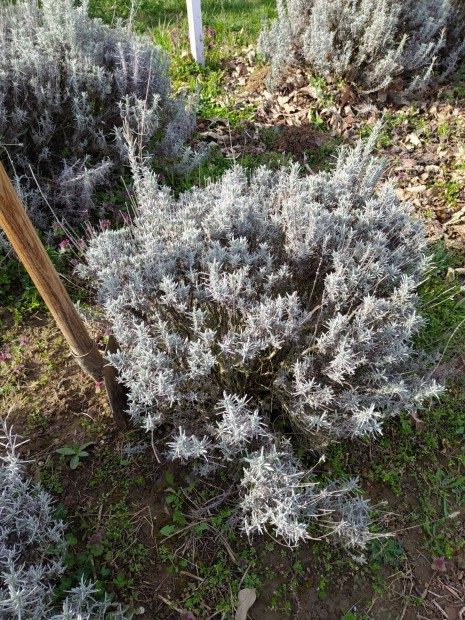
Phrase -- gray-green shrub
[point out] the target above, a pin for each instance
(282, 298)
(66, 81)
(368, 43)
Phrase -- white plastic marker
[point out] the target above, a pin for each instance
(194, 14)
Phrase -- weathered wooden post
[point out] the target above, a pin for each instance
(194, 14)
(32, 254)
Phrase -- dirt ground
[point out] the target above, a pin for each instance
(68, 407)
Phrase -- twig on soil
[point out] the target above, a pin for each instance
(151, 521)
(435, 594)
(188, 527)
(228, 549)
(441, 610)
(170, 604)
(233, 607)
(244, 574)
(155, 451)
(188, 574)
(453, 591)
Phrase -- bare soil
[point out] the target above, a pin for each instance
(71, 410)
(299, 140)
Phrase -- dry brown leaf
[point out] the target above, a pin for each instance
(414, 139)
(246, 598)
(309, 90)
(214, 136)
(347, 95)
(458, 231)
(409, 163)
(419, 423)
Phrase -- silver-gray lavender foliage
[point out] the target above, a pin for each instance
(32, 548)
(66, 81)
(283, 296)
(366, 42)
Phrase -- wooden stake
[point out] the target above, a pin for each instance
(31, 252)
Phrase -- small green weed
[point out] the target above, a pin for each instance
(51, 476)
(444, 131)
(76, 452)
(450, 189)
(323, 158)
(386, 551)
(36, 420)
(102, 546)
(17, 291)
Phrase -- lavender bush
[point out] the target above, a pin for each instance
(66, 83)
(276, 300)
(32, 548)
(369, 43)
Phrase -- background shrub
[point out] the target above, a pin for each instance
(369, 43)
(66, 81)
(249, 307)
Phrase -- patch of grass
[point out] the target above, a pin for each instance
(236, 22)
(19, 357)
(324, 157)
(442, 304)
(273, 161)
(450, 190)
(389, 124)
(457, 88)
(51, 476)
(413, 120)
(36, 421)
(269, 135)
(207, 84)
(228, 25)
(322, 91)
(211, 550)
(216, 165)
(18, 293)
(444, 131)
(386, 551)
(223, 562)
